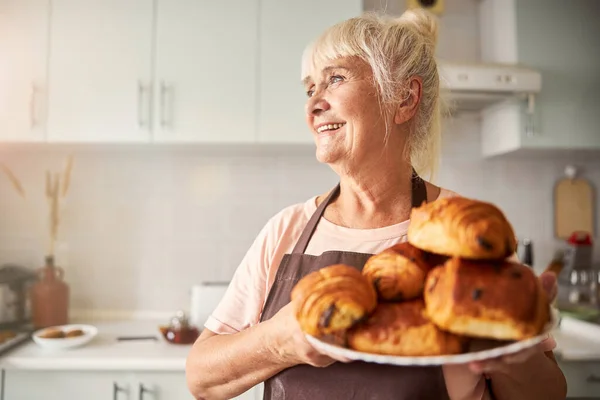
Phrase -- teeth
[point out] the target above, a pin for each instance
(329, 127)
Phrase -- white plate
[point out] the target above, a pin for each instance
(66, 343)
(436, 360)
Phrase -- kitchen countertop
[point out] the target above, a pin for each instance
(105, 352)
(575, 343)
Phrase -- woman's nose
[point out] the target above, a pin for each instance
(316, 105)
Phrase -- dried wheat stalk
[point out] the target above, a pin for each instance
(48, 184)
(67, 176)
(13, 179)
(52, 193)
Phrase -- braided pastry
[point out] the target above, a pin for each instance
(499, 300)
(332, 299)
(461, 227)
(398, 273)
(402, 329)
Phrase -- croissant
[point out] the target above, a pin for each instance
(461, 227)
(332, 299)
(402, 329)
(398, 273)
(499, 300)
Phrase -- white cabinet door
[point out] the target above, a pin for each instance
(583, 378)
(287, 27)
(23, 63)
(173, 386)
(100, 71)
(206, 69)
(61, 385)
(161, 386)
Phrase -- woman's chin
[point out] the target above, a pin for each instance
(326, 156)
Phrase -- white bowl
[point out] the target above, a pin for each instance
(89, 332)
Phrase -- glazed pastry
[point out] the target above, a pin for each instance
(461, 227)
(499, 300)
(398, 273)
(74, 333)
(402, 329)
(332, 299)
(52, 333)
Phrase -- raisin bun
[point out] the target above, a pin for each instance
(499, 300)
(402, 329)
(461, 227)
(332, 299)
(398, 273)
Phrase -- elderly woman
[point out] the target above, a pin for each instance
(373, 108)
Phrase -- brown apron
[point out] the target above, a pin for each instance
(343, 381)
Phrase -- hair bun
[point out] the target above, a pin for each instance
(424, 22)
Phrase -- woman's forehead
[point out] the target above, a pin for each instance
(316, 69)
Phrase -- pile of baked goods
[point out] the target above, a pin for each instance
(452, 281)
(58, 333)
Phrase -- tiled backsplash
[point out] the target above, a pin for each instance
(142, 224)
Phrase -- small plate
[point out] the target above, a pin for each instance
(463, 358)
(89, 332)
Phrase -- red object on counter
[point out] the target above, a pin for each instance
(580, 239)
(179, 331)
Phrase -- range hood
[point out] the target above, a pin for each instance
(474, 87)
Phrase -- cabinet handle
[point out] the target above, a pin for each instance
(117, 390)
(32, 104)
(141, 93)
(165, 108)
(593, 379)
(143, 391)
(163, 94)
(529, 122)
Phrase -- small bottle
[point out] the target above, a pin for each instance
(527, 257)
(50, 297)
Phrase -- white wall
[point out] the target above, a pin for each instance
(142, 224)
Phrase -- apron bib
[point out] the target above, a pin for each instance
(343, 381)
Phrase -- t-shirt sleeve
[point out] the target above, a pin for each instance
(242, 303)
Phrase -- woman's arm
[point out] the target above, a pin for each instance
(537, 378)
(224, 366)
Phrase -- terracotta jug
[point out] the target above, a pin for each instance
(49, 297)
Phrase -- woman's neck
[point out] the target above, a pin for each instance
(373, 197)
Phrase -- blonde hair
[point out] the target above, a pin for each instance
(396, 49)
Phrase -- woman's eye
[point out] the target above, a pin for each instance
(336, 79)
(310, 92)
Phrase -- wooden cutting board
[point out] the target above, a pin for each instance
(573, 207)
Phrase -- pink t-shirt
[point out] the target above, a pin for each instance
(242, 305)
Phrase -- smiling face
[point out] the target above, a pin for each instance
(343, 112)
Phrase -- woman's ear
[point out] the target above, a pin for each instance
(411, 97)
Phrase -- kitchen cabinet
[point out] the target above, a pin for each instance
(281, 114)
(23, 64)
(100, 71)
(560, 39)
(60, 385)
(167, 71)
(583, 378)
(102, 385)
(206, 68)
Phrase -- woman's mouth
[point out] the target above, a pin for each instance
(330, 128)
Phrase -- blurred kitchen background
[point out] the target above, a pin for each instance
(150, 211)
(185, 121)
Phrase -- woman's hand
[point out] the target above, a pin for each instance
(291, 344)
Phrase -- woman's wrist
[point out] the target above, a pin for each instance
(278, 344)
